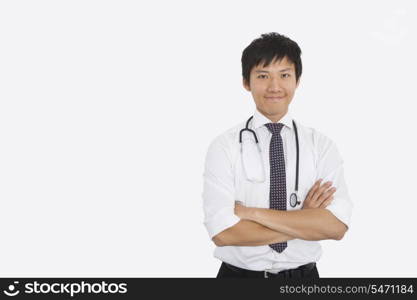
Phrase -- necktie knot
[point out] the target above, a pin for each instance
(274, 128)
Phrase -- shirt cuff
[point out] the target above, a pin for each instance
(343, 213)
(222, 220)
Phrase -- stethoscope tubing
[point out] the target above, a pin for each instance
(294, 195)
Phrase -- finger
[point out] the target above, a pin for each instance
(326, 194)
(326, 199)
(313, 192)
(327, 202)
(320, 190)
(314, 188)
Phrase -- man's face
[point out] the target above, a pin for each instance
(273, 88)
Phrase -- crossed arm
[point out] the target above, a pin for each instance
(261, 226)
(249, 233)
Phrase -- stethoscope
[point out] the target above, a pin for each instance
(294, 196)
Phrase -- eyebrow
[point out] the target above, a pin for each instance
(283, 70)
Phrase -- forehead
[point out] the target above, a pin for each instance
(275, 66)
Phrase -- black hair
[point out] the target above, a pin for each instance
(268, 47)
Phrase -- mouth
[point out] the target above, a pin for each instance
(274, 99)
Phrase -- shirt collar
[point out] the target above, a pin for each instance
(260, 120)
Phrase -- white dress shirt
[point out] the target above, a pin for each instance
(225, 182)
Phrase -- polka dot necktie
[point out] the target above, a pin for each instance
(278, 187)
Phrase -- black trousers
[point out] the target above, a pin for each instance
(308, 271)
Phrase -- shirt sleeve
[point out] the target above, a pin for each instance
(218, 190)
(330, 168)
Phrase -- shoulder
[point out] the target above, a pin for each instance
(322, 144)
(315, 136)
(225, 146)
(229, 138)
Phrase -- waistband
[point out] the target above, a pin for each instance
(297, 272)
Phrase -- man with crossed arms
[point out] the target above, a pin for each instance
(254, 236)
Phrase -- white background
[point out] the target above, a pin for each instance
(107, 109)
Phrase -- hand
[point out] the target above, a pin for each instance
(319, 196)
(241, 211)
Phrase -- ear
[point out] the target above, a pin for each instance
(246, 85)
(298, 82)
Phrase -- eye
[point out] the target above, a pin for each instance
(288, 75)
(261, 76)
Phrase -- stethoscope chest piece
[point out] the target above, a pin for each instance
(294, 200)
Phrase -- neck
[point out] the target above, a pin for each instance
(275, 118)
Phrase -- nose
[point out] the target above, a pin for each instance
(274, 85)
